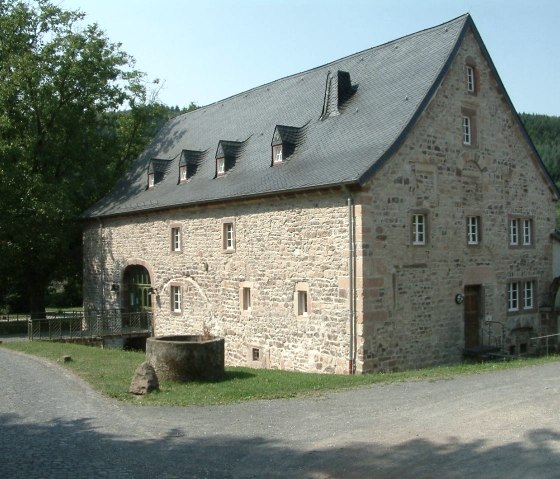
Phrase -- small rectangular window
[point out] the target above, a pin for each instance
(470, 79)
(528, 293)
(513, 296)
(256, 354)
(526, 232)
(151, 180)
(514, 232)
(220, 166)
(277, 154)
(176, 239)
(473, 230)
(302, 303)
(228, 237)
(246, 299)
(419, 229)
(467, 132)
(176, 299)
(183, 173)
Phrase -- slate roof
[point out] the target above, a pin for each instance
(381, 92)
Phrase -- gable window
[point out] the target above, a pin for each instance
(520, 232)
(419, 224)
(176, 239)
(220, 166)
(470, 79)
(473, 230)
(176, 298)
(277, 154)
(228, 236)
(521, 296)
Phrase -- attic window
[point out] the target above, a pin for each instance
(151, 181)
(284, 142)
(188, 164)
(227, 154)
(157, 168)
(470, 79)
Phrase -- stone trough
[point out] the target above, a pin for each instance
(186, 358)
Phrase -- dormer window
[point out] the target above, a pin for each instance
(157, 169)
(151, 181)
(220, 166)
(188, 164)
(277, 154)
(183, 173)
(227, 154)
(284, 142)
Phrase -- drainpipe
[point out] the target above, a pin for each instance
(100, 221)
(352, 288)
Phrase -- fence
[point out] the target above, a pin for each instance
(549, 343)
(91, 325)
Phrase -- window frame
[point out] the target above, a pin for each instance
(176, 235)
(521, 231)
(221, 166)
(467, 130)
(151, 181)
(182, 173)
(419, 235)
(277, 150)
(468, 127)
(302, 300)
(477, 230)
(176, 298)
(522, 292)
(246, 297)
(228, 235)
(471, 78)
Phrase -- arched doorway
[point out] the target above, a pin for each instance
(136, 285)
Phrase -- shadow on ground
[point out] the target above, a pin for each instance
(76, 449)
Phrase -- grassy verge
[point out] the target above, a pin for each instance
(110, 371)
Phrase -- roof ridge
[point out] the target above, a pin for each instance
(465, 16)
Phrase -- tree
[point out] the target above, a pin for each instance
(61, 87)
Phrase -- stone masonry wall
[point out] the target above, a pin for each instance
(282, 245)
(410, 317)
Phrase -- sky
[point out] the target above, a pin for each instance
(207, 50)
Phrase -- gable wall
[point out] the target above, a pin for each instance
(410, 316)
(282, 243)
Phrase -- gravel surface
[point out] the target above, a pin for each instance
(494, 425)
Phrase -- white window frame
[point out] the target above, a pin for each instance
(151, 180)
(513, 296)
(183, 173)
(176, 298)
(473, 230)
(277, 154)
(527, 231)
(419, 229)
(228, 234)
(176, 238)
(528, 295)
(467, 130)
(514, 232)
(470, 79)
(220, 166)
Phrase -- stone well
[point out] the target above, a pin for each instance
(186, 358)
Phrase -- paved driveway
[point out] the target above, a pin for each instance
(496, 425)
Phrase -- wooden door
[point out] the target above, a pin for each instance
(473, 309)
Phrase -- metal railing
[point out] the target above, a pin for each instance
(99, 324)
(546, 339)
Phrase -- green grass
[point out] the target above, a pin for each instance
(110, 372)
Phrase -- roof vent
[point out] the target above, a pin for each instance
(338, 91)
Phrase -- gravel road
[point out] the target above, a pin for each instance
(494, 425)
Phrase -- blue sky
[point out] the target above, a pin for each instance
(207, 50)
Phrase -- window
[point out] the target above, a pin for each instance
(467, 134)
(470, 79)
(302, 303)
(228, 236)
(473, 230)
(220, 166)
(151, 181)
(418, 229)
(277, 154)
(183, 173)
(521, 296)
(246, 299)
(520, 232)
(176, 299)
(176, 239)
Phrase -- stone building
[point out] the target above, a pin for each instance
(381, 212)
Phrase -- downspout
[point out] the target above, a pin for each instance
(352, 288)
(102, 305)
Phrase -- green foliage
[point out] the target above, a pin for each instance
(110, 372)
(64, 138)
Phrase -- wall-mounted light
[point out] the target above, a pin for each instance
(115, 288)
(459, 298)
